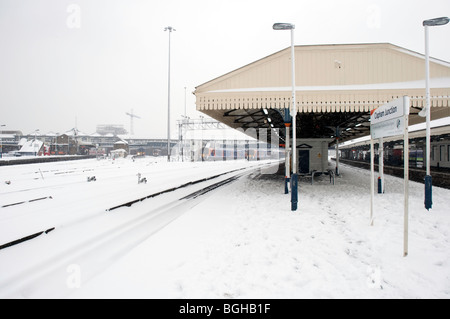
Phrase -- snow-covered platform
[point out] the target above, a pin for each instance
(244, 242)
(237, 241)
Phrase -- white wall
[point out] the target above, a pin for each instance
(318, 154)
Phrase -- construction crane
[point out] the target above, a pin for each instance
(132, 116)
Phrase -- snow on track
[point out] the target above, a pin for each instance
(93, 238)
(70, 198)
(240, 242)
(244, 242)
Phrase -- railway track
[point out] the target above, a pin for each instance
(59, 258)
(440, 178)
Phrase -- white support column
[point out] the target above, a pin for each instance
(372, 181)
(406, 176)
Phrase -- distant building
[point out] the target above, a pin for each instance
(9, 141)
(114, 129)
(106, 139)
(32, 148)
(121, 145)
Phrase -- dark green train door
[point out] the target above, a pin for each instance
(303, 161)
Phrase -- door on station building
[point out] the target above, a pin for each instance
(303, 161)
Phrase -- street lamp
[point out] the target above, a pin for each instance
(170, 29)
(294, 177)
(426, 111)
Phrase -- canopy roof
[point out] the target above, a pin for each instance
(336, 86)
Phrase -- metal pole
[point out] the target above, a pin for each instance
(170, 29)
(427, 85)
(168, 107)
(428, 184)
(372, 180)
(428, 181)
(337, 156)
(287, 160)
(294, 179)
(381, 165)
(406, 105)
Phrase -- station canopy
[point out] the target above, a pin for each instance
(336, 88)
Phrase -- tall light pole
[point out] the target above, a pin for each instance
(426, 111)
(294, 177)
(170, 29)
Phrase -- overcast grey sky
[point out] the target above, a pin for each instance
(88, 62)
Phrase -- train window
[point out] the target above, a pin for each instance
(448, 153)
(441, 152)
(433, 151)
